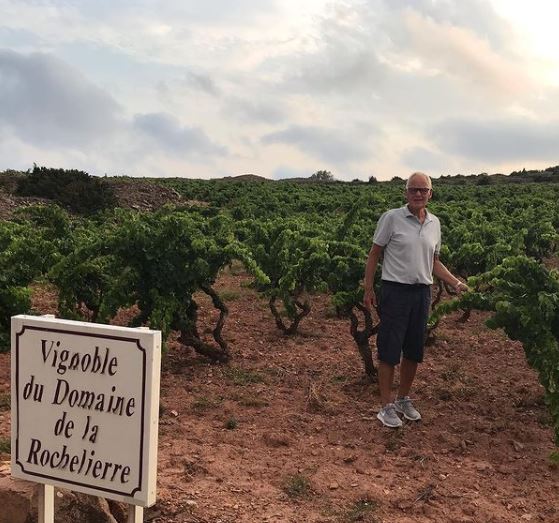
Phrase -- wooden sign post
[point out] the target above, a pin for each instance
(85, 410)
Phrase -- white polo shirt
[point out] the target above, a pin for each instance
(409, 246)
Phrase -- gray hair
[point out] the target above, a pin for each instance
(413, 175)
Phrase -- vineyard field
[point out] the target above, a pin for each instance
(269, 395)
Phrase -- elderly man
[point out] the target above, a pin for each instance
(410, 239)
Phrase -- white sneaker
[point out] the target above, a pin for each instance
(405, 407)
(388, 416)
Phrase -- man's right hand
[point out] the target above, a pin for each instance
(370, 300)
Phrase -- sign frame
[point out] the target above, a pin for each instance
(148, 344)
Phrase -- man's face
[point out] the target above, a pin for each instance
(418, 193)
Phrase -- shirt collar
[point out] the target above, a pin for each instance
(408, 213)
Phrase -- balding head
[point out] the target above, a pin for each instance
(415, 175)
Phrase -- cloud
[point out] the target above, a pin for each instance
(172, 32)
(51, 112)
(499, 140)
(255, 110)
(178, 92)
(223, 11)
(19, 38)
(461, 55)
(166, 131)
(44, 101)
(330, 145)
(476, 16)
(424, 159)
(388, 52)
(337, 70)
(274, 87)
(341, 55)
(201, 82)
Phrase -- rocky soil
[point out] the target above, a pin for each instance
(287, 432)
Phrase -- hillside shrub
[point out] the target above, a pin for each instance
(75, 190)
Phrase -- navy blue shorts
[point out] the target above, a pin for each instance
(403, 311)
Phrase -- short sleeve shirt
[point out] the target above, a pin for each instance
(409, 245)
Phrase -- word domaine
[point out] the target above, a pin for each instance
(86, 399)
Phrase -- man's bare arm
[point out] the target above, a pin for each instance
(369, 298)
(441, 272)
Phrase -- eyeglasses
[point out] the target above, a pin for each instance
(422, 190)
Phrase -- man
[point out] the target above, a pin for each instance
(410, 240)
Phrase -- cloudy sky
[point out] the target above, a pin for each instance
(279, 88)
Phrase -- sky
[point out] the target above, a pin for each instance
(279, 88)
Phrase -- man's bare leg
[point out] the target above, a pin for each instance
(385, 380)
(408, 368)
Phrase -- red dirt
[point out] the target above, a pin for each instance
(239, 443)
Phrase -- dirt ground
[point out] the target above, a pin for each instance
(287, 432)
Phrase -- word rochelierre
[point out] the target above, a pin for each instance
(83, 463)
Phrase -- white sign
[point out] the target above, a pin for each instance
(85, 407)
